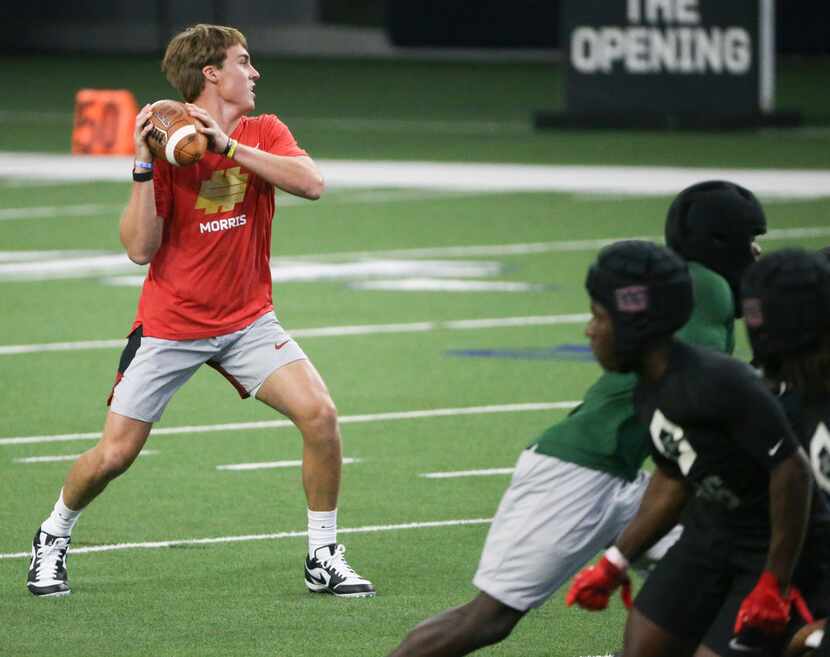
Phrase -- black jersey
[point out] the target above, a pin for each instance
(816, 428)
(713, 421)
(811, 422)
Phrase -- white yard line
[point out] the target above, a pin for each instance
(69, 457)
(278, 424)
(154, 545)
(36, 265)
(329, 331)
(270, 465)
(353, 197)
(453, 474)
(626, 180)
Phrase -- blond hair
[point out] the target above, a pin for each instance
(194, 48)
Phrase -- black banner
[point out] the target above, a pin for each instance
(663, 56)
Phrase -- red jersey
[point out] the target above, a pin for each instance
(212, 273)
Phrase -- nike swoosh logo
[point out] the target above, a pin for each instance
(281, 345)
(317, 579)
(735, 644)
(775, 447)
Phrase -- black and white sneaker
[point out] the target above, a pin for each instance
(328, 572)
(47, 572)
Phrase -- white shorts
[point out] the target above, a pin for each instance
(553, 519)
(148, 379)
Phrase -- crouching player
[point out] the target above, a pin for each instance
(718, 437)
(787, 312)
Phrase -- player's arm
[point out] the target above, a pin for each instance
(761, 428)
(140, 228)
(790, 487)
(296, 175)
(660, 508)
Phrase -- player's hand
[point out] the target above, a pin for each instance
(592, 587)
(765, 608)
(217, 139)
(142, 129)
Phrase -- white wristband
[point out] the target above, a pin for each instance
(616, 557)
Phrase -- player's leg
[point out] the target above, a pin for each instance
(118, 447)
(554, 517)
(644, 638)
(263, 361)
(461, 630)
(149, 373)
(682, 596)
(297, 391)
(120, 444)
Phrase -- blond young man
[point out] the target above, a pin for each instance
(207, 300)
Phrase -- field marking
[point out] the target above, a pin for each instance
(488, 472)
(52, 211)
(152, 545)
(279, 424)
(69, 457)
(311, 267)
(331, 331)
(467, 176)
(351, 197)
(269, 465)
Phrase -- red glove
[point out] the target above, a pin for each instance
(592, 587)
(764, 609)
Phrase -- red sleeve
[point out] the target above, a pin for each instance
(163, 188)
(277, 138)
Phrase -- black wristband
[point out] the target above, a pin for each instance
(228, 146)
(144, 176)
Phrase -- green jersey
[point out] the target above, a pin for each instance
(603, 433)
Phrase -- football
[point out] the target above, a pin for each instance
(174, 136)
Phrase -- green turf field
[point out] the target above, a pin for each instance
(244, 595)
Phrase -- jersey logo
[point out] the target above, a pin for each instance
(774, 449)
(712, 489)
(670, 441)
(223, 191)
(820, 456)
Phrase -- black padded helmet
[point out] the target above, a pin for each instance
(786, 302)
(714, 223)
(646, 289)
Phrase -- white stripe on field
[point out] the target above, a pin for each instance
(359, 197)
(330, 331)
(278, 424)
(467, 473)
(268, 465)
(69, 457)
(52, 211)
(257, 537)
(468, 176)
(284, 268)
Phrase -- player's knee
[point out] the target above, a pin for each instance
(488, 624)
(496, 630)
(319, 421)
(116, 460)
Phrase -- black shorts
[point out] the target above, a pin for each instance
(702, 573)
(696, 590)
(812, 577)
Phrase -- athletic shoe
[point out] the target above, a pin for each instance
(47, 572)
(328, 572)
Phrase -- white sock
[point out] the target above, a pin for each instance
(322, 529)
(62, 519)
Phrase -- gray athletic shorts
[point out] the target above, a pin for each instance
(160, 367)
(553, 519)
